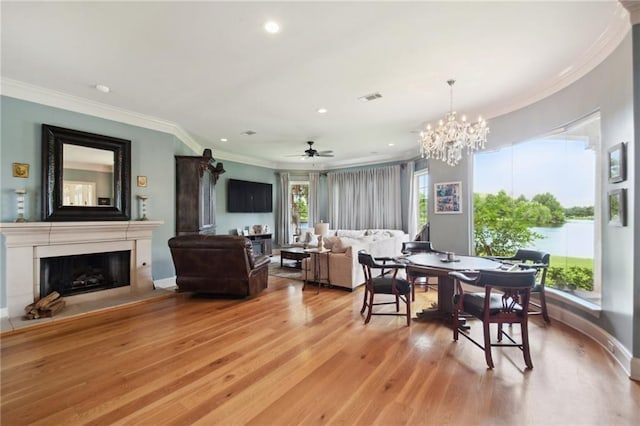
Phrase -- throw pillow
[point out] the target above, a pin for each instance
(329, 242)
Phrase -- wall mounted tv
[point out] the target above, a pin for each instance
(249, 197)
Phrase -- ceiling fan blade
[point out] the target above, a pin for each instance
(326, 152)
(324, 155)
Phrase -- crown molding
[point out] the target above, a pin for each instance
(608, 41)
(29, 92)
(633, 7)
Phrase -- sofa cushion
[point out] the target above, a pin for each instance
(351, 233)
(342, 244)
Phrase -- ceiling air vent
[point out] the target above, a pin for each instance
(249, 133)
(370, 97)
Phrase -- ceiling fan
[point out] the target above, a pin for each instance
(311, 152)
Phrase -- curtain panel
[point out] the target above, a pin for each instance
(314, 203)
(365, 199)
(412, 211)
(284, 212)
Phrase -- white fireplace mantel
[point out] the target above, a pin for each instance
(26, 243)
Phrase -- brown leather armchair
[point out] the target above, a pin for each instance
(218, 264)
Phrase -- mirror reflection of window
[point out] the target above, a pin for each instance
(87, 176)
(79, 193)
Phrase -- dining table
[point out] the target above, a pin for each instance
(439, 265)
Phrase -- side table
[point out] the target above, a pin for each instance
(315, 258)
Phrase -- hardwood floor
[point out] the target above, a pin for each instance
(288, 357)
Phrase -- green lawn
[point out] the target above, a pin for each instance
(563, 261)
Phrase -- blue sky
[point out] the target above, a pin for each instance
(563, 167)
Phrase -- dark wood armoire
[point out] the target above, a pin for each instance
(196, 178)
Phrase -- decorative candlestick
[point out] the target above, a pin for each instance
(144, 198)
(20, 203)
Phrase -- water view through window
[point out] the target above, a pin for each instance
(542, 194)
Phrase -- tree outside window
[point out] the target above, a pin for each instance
(541, 194)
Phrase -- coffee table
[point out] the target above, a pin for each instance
(293, 253)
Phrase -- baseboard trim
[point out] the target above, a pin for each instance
(630, 365)
(165, 282)
(635, 369)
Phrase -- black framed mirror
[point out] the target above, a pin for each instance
(85, 177)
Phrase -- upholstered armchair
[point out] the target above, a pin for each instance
(218, 264)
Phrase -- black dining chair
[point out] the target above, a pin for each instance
(414, 277)
(383, 284)
(504, 301)
(538, 260)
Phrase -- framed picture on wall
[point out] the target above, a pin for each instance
(618, 207)
(617, 165)
(448, 197)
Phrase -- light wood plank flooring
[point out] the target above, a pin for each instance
(291, 357)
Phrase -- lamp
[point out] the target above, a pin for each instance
(447, 141)
(321, 229)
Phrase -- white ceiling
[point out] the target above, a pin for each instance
(211, 69)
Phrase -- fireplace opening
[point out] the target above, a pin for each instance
(84, 273)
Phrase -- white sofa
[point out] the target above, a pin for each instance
(344, 269)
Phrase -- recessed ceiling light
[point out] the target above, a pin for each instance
(322, 110)
(391, 144)
(223, 139)
(272, 27)
(102, 88)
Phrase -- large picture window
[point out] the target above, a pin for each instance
(543, 194)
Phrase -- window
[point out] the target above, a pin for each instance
(299, 203)
(422, 196)
(79, 193)
(544, 194)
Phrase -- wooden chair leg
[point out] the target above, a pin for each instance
(366, 321)
(487, 344)
(408, 310)
(397, 303)
(543, 307)
(413, 288)
(525, 344)
(364, 302)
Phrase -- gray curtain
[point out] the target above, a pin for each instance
(314, 203)
(284, 212)
(365, 199)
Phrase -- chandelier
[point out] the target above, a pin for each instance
(447, 141)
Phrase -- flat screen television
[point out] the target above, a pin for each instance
(249, 197)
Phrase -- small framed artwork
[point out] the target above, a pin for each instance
(239, 231)
(142, 181)
(448, 197)
(245, 232)
(20, 170)
(618, 207)
(617, 163)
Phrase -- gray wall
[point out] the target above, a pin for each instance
(607, 88)
(152, 155)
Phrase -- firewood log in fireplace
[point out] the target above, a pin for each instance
(47, 306)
